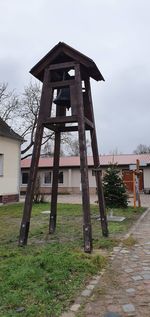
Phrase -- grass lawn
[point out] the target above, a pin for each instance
(44, 278)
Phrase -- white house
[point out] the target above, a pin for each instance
(70, 178)
(10, 143)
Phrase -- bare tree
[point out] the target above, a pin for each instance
(73, 146)
(30, 104)
(48, 148)
(22, 114)
(142, 149)
(9, 104)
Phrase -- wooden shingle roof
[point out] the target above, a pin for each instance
(61, 53)
(6, 131)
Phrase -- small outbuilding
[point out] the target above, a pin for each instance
(10, 143)
(70, 177)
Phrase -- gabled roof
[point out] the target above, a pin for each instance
(63, 53)
(105, 160)
(6, 131)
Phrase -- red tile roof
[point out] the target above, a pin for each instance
(74, 161)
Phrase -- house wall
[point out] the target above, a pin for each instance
(64, 187)
(71, 181)
(9, 180)
(46, 188)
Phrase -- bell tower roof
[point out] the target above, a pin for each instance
(62, 53)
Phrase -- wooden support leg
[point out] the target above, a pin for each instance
(100, 194)
(87, 231)
(45, 109)
(25, 224)
(101, 200)
(53, 214)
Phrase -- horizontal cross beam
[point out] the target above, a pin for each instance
(54, 124)
(57, 120)
(62, 83)
(62, 65)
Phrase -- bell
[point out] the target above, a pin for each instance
(63, 98)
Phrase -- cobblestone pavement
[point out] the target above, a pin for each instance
(124, 288)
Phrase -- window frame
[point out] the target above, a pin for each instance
(59, 177)
(24, 184)
(44, 178)
(1, 165)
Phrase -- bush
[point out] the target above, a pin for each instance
(114, 188)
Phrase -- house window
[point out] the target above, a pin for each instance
(1, 164)
(47, 178)
(93, 172)
(25, 177)
(61, 178)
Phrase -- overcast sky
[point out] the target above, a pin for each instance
(114, 33)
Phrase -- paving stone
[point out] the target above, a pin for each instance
(122, 301)
(137, 278)
(128, 308)
(94, 282)
(146, 276)
(130, 290)
(108, 296)
(97, 277)
(145, 272)
(110, 301)
(124, 251)
(145, 268)
(20, 309)
(75, 307)
(133, 265)
(134, 259)
(113, 308)
(116, 249)
(79, 300)
(128, 270)
(112, 314)
(90, 286)
(86, 293)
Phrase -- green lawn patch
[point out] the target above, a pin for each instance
(44, 278)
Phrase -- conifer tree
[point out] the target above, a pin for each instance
(114, 189)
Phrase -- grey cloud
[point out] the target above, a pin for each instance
(115, 34)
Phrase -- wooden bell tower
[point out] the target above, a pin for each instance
(66, 68)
